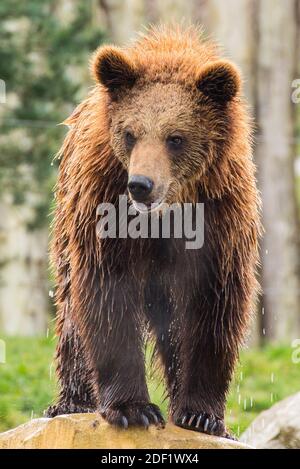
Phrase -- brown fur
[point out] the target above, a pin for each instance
(198, 303)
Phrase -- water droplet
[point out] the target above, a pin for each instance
(50, 371)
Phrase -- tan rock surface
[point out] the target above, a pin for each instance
(91, 431)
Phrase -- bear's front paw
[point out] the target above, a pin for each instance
(67, 408)
(202, 422)
(133, 414)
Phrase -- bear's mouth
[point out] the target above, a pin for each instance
(148, 207)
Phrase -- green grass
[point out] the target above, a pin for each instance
(263, 377)
(27, 382)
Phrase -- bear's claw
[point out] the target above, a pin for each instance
(133, 414)
(202, 422)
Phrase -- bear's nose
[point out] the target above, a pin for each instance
(140, 187)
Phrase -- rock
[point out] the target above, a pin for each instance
(91, 431)
(277, 427)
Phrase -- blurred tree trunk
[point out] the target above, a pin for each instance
(121, 19)
(277, 59)
(238, 42)
(24, 304)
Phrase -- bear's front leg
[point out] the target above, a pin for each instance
(124, 398)
(200, 403)
(113, 328)
(208, 351)
(74, 373)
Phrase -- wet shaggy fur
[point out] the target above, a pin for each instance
(197, 303)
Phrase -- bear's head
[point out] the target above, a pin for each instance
(169, 117)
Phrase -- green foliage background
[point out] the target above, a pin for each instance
(43, 61)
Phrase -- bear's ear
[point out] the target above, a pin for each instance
(219, 80)
(113, 69)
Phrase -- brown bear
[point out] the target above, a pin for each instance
(165, 122)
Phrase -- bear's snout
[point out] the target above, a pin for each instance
(149, 175)
(140, 187)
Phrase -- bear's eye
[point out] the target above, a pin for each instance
(129, 139)
(174, 142)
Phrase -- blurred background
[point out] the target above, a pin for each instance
(44, 52)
